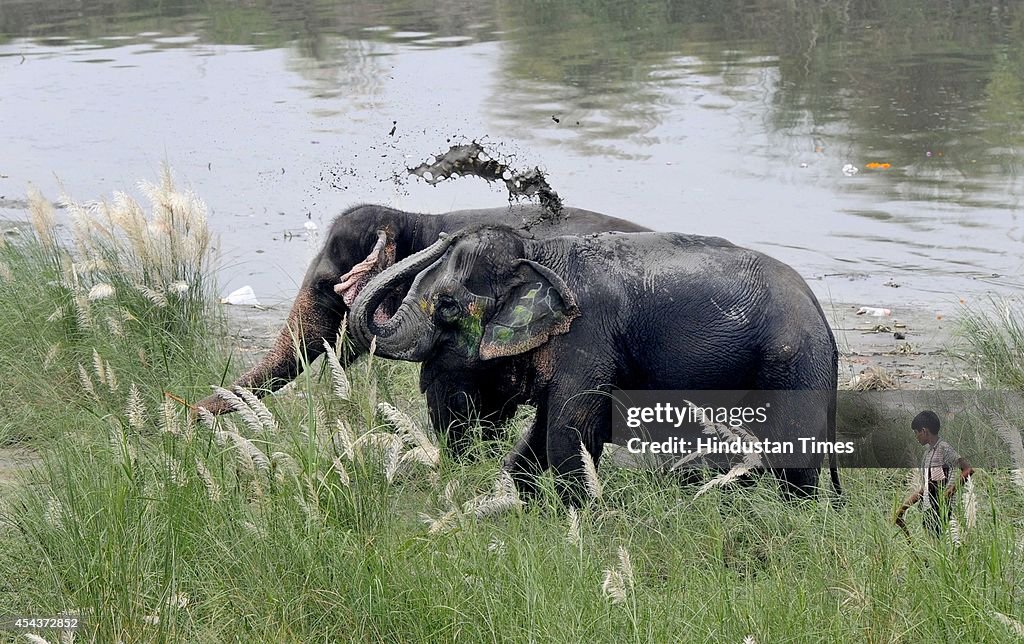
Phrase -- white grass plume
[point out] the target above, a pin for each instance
(344, 439)
(86, 381)
(445, 522)
(54, 514)
(593, 483)
(252, 529)
(83, 312)
(1012, 437)
(283, 465)
(339, 469)
(249, 454)
(626, 565)
(213, 491)
(175, 472)
(504, 498)
(970, 500)
(411, 432)
(266, 419)
(5, 271)
(248, 416)
(497, 546)
(43, 218)
(207, 418)
(854, 596)
(393, 460)
(35, 639)
(1012, 624)
(421, 448)
(574, 535)
(154, 296)
(120, 446)
(375, 440)
(955, 536)
(168, 421)
(114, 326)
(310, 501)
(725, 432)
(618, 581)
(723, 479)
(134, 409)
(342, 387)
(104, 372)
(101, 291)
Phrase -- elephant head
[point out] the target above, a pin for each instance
(477, 295)
(336, 275)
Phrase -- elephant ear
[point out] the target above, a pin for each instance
(539, 306)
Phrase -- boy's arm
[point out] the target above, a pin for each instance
(965, 473)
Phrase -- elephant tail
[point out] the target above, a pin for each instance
(833, 462)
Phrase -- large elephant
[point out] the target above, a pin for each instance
(557, 322)
(363, 241)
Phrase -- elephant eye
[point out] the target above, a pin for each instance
(447, 308)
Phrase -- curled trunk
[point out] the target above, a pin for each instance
(408, 335)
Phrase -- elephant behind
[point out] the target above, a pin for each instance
(558, 321)
(363, 241)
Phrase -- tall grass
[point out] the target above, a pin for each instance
(303, 529)
(996, 339)
(117, 284)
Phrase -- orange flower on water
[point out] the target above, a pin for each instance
(874, 165)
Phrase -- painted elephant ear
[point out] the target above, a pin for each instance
(540, 306)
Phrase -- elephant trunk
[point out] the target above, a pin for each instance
(309, 323)
(409, 333)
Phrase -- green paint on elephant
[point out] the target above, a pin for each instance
(471, 330)
(521, 316)
(502, 335)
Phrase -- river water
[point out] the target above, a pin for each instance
(729, 119)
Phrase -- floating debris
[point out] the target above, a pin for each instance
(244, 296)
(472, 160)
(874, 311)
(874, 165)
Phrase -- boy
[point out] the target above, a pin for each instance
(938, 486)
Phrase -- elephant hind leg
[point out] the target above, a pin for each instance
(805, 409)
(797, 483)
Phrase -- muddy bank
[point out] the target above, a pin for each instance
(910, 345)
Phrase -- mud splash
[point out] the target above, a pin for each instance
(472, 160)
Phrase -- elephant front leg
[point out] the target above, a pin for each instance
(529, 458)
(457, 407)
(581, 422)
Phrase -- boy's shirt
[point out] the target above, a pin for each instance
(936, 464)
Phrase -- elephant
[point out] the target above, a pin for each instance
(557, 322)
(363, 241)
